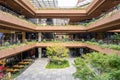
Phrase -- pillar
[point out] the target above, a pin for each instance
(23, 36)
(99, 36)
(40, 52)
(39, 37)
(39, 40)
(37, 21)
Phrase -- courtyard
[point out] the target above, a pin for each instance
(37, 71)
(59, 40)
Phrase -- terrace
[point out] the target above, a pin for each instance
(90, 26)
(15, 49)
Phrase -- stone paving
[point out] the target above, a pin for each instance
(37, 71)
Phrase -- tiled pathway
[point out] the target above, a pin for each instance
(37, 71)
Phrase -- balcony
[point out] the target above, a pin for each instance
(109, 22)
(105, 23)
(94, 9)
(15, 49)
(18, 49)
(14, 22)
(65, 29)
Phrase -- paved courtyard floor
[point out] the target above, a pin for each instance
(37, 71)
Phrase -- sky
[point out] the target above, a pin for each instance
(67, 3)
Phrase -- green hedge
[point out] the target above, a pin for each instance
(54, 65)
(111, 46)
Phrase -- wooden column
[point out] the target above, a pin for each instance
(23, 36)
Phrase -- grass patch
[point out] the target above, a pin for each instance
(52, 65)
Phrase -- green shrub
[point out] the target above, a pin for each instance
(57, 53)
(44, 40)
(93, 40)
(97, 66)
(26, 41)
(83, 71)
(93, 43)
(100, 42)
(53, 65)
(83, 40)
(18, 42)
(7, 43)
(115, 75)
(116, 47)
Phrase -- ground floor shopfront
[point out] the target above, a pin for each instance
(15, 64)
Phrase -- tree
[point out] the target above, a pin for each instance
(57, 54)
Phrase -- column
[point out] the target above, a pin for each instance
(39, 40)
(39, 37)
(99, 36)
(23, 36)
(40, 52)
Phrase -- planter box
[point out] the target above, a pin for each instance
(13, 51)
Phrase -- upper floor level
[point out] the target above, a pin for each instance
(107, 22)
(95, 8)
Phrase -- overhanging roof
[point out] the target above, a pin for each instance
(118, 30)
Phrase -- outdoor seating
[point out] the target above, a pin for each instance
(12, 70)
(23, 63)
(18, 66)
(28, 60)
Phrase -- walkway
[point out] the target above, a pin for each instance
(12, 51)
(37, 71)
